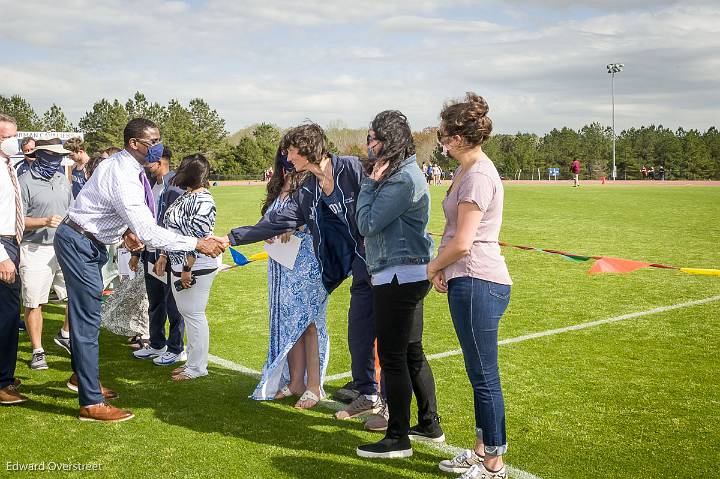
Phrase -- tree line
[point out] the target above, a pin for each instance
(684, 154)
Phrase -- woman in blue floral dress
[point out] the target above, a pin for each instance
(299, 347)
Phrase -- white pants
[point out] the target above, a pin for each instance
(192, 303)
(40, 271)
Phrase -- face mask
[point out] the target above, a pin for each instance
(46, 164)
(371, 154)
(154, 153)
(286, 164)
(9, 146)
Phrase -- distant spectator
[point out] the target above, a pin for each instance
(27, 145)
(575, 168)
(644, 172)
(661, 173)
(651, 173)
(79, 155)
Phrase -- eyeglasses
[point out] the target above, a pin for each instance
(148, 143)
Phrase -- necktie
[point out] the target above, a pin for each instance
(19, 217)
(149, 199)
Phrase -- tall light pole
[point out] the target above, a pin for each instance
(612, 69)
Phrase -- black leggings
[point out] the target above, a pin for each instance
(399, 326)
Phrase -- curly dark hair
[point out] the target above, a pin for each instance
(392, 129)
(310, 140)
(277, 181)
(467, 119)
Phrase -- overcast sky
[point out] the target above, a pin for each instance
(540, 64)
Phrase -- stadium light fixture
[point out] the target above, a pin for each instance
(612, 69)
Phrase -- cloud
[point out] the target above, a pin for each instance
(416, 23)
(288, 61)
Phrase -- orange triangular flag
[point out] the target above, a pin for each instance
(616, 265)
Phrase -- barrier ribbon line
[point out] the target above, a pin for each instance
(607, 264)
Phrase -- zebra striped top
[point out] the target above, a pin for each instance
(192, 214)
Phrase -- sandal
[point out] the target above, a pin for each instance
(285, 392)
(182, 377)
(307, 396)
(179, 370)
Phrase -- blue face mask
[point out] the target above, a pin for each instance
(154, 153)
(46, 164)
(286, 164)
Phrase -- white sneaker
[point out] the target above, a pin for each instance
(148, 353)
(463, 462)
(167, 358)
(479, 472)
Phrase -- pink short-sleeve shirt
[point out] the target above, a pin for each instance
(481, 185)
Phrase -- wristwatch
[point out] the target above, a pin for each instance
(186, 269)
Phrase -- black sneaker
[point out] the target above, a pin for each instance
(429, 432)
(347, 393)
(388, 448)
(62, 342)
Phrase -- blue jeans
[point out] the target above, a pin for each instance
(81, 260)
(476, 307)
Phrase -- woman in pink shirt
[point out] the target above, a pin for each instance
(472, 271)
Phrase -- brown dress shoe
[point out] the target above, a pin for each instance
(104, 412)
(108, 394)
(10, 395)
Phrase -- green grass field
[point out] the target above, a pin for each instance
(637, 398)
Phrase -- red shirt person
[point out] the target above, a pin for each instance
(575, 168)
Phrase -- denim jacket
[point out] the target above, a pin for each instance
(393, 215)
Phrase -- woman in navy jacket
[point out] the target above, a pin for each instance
(326, 204)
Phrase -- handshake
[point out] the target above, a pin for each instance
(213, 245)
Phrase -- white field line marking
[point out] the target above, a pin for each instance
(443, 447)
(233, 366)
(550, 332)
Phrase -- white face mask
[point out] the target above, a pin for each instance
(9, 146)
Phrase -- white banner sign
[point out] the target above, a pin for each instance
(48, 135)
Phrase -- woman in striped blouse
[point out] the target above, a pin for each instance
(193, 214)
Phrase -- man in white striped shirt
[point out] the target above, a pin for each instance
(116, 203)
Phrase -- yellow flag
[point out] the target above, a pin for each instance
(258, 256)
(708, 272)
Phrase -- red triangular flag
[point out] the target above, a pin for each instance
(616, 265)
